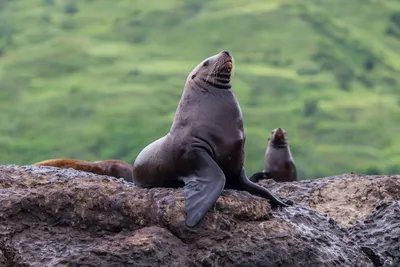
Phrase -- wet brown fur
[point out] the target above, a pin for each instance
(114, 168)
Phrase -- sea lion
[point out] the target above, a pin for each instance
(279, 164)
(204, 149)
(114, 168)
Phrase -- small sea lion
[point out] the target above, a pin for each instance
(114, 168)
(279, 164)
(204, 149)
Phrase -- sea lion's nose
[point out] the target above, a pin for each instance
(226, 52)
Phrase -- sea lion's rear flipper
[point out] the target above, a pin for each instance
(246, 185)
(256, 177)
(202, 188)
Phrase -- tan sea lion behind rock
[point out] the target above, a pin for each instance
(204, 149)
(114, 168)
(279, 164)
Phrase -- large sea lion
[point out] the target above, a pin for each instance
(114, 168)
(279, 164)
(204, 149)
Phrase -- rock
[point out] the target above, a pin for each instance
(63, 217)
(3, 259)
(381, 231)
(345, 198)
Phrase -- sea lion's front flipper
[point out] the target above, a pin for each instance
(202, 188)
(245, 184)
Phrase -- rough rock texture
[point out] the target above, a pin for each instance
(345, 198)
(380, 232)
(63, 217)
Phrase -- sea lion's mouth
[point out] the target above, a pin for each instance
(228, 65)
(280, 135)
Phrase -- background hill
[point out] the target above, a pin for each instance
(100, 79)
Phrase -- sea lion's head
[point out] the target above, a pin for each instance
(278, 137)
(214, 71)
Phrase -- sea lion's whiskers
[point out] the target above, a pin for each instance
(219, 66)
(212, 70)
(233, 66)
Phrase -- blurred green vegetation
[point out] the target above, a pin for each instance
(99, 79)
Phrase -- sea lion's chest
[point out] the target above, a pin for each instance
(225, 133)
(277, 159)
(213, 120)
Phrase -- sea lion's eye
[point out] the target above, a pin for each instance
(193, 76)
(205, 64)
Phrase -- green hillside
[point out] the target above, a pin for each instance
(100, 79)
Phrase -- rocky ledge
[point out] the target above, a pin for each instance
(63, 217)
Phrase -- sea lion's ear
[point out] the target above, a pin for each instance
(193, 76)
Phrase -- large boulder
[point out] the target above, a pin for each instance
(345, 198)
(63, 217)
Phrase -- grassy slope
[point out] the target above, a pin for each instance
(99, 79)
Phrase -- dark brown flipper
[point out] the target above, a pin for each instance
(256, 177)
(246, 185)
(202, 187)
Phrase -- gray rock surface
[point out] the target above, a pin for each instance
(380, 232)
(63, 217)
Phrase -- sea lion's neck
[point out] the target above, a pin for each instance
(279, 144)
(196, 94)
(220, 81)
